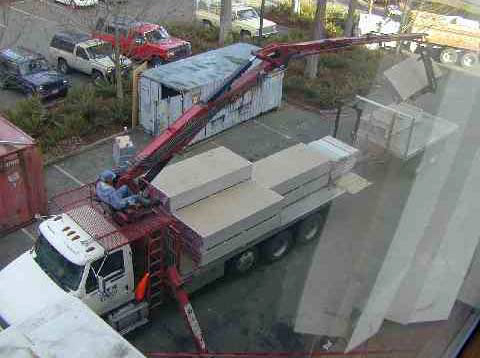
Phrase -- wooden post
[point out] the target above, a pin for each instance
(135, 77)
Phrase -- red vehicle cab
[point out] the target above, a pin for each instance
(142, 40)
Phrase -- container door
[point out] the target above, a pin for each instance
(272, 91)
(176, 108)
(146, 101)
(161, 116)
(14, 209)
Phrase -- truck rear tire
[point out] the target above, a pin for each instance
(468, 59)
(244, 262)
(277, 246)
(448, 56)
(310, 228)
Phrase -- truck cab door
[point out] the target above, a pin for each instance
(137, 43)
(82, 61)
(117, 275)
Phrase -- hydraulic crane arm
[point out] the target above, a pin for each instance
(175, 138)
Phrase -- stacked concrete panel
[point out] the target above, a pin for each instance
(224, 218)
(342, 155)
(198, 177)
(294, 172)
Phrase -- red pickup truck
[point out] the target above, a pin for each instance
(142, 40)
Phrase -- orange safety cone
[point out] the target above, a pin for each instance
(141, 289)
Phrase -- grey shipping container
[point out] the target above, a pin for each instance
(169, 90)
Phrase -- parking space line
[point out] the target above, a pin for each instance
(29, 234)
(273, 130)
(68, 175)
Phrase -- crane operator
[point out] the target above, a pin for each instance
(120, 198)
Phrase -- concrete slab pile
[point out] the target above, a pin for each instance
(198, 177)
(343, 156)
(294, 172)
(231, 218)
(230, 202)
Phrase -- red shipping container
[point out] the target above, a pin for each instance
(22, 184)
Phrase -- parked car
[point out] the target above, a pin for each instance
(78, 3)
(245, 20)
(29, 72)
(142, 40)
(94, 57)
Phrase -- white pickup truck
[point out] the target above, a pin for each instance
(94, 57)
(245, 20)
(71, 254)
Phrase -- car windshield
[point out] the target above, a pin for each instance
(100, 50)
(33, 66)
(157, 35)
(65, 273)
(247, 14)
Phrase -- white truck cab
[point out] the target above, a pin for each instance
(66, 259)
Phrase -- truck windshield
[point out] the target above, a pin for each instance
(65, 273)
(100, 50)
(157, 35)
(247, 14)
(33, 66)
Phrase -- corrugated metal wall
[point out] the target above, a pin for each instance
(156, 114)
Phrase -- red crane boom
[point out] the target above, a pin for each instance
(175, 138)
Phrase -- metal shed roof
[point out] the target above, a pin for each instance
(202, 69)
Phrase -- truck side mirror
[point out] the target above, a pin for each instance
(101, 285)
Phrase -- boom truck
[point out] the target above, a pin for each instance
(123, 263)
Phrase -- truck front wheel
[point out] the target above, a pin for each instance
(245, 35)
(277, 247)
(97, 78)
(448, 56)
(63, 66)
(156, 61)
(310, 228)
(207, 25)
(468, 59)
(244, 262)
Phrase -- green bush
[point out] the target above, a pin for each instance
(341, 76)
(82, 101)
(29, 115)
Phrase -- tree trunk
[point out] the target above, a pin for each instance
(260, 31)
(311, 68)
(295, 9)
(118, 68)
(350, 18)
(403, 24)
(225, 21)
(370, 6)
